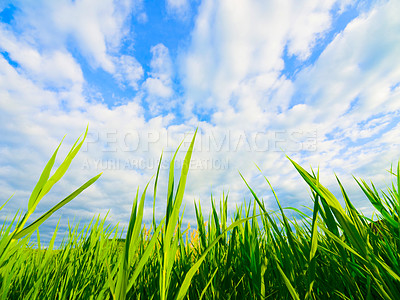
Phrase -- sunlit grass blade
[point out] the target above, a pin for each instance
(131, 244)
(353, 213)
(32, 227)
(189, 275)
(170, 193)
(208, 284)
(311, 255)
(59, 173)
(170, 246)
(375, 200)
(313, 249)
(155, 191)
(285, 222)
(43, 179)
(145, 256)
(6, 202)
(38, 239)
(345, 222)
(45, 184)
(180, 191)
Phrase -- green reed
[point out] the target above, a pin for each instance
(258, 254)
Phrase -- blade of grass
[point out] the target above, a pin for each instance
(32, 227)
(286, 280)
(192, 271)
(346, 223)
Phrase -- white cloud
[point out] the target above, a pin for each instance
(129, 71)
(34, 124)
(139, 12)
(48, 32)
(235, 42)
(43, 67)
(14, 97)
(161, 64)
(95, 28)
(159, 83)
(156, 87)
(354, 75)
(309, 19)
(232, 72)
(348, 96)
(179, 8)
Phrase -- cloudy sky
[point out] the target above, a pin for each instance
(318, 81)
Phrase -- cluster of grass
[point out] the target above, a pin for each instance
(258, 254)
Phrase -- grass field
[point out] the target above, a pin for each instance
(254, 254)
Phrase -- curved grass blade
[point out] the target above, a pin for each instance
(170, 246)
(313, 250)
(145, 256)
(344, 220)
(32, 227)
(45, 184)
(192, 271)
(155, 191)
(6, 202)
(289, 286)
(208, 283)
(43, 178)
(375, 200)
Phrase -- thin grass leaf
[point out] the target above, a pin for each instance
(192, 271)
(208, 284)
(32, 227)
(155, 191)
(131, 241)
(6, 202)
(180, 191)
(43, 178)
(375, 200)
(313, 249)
(59, 173)
(146, 255)
(346, 223)
(289, 286)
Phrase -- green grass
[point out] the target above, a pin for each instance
(258, 254)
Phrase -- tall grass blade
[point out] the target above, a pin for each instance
(346, 223)
(32, 227)
(155, 191)
(169, 250)
(189, 275)
(289, 286)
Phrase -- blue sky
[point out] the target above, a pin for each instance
(316, 80)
